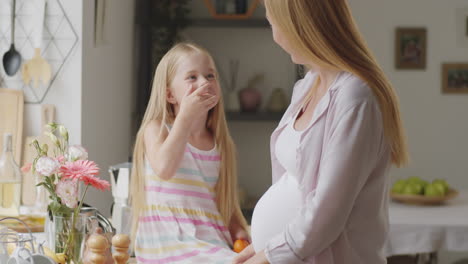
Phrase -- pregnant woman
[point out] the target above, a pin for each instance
(333, 147)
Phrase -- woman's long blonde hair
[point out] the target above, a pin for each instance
(325, 32)
(159, 109)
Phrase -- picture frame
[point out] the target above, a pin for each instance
(455, 78)
(410, 48)
(461, 19)
(466, 26)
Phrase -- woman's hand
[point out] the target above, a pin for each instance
(245, 254)
(259, 258)
(248, 256)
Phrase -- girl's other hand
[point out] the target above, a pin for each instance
(241, 234)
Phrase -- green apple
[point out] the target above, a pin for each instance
(410, 189)
(443, 183)
(424, 183)
(418, 187)
(398, 186)
(440, 186)
(432, 190)
(414, 179)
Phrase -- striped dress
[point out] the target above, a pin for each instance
(181, 222)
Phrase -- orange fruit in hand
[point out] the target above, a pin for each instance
(240, 244)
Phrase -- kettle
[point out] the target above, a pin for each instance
(97, 220)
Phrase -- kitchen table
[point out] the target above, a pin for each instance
(416, 229)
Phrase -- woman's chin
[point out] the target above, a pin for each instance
(298, 61)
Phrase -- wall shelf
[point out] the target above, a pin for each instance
(248, 12)
(239, 23)
(254, 117)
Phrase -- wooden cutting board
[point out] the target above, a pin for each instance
(34, 223)
(29, 184)
(11, 118)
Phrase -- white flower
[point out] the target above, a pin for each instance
(51, 126)
(53, 138)
(47, 166)
(67, 191)
(63, 132)
(77, 152)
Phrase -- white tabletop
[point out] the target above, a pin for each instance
(422, 229)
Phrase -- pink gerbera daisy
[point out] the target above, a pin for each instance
(95, 182)
(78, 169)
(60, 159)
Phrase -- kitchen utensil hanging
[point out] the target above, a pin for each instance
(37, 68)
(12, 58)
(59, 40)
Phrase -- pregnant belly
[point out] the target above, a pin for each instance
(277, 207)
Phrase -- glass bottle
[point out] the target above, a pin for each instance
(230, 7)
(10, 180)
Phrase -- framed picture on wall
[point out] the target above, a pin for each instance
(462, 27)
(466, 26)
(410, 48)
(455, 78)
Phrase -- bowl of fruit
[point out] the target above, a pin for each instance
(415, 190)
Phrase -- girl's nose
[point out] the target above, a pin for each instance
(204, 81)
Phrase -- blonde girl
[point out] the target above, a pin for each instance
(333, 147)
(184, 199)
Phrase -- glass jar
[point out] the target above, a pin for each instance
(10, 180)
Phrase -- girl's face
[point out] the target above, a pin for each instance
(194, 69)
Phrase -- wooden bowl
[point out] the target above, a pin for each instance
(423, 200)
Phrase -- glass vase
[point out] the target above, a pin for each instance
(66, 237)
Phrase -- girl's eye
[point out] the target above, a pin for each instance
(211, 76)
(192, 77)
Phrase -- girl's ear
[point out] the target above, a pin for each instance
(170, 97)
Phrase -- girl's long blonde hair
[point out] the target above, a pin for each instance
(325, 32)
(159, 109)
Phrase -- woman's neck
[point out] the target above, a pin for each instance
(320, 86)
(327, 77)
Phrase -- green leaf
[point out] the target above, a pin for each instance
(54, 207)
(47, 180)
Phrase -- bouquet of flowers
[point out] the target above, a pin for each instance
(61, 171)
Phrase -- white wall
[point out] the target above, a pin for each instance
(108, 91)
(436, 123)
(65, 92)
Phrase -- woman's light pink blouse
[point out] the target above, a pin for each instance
(343, 158)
